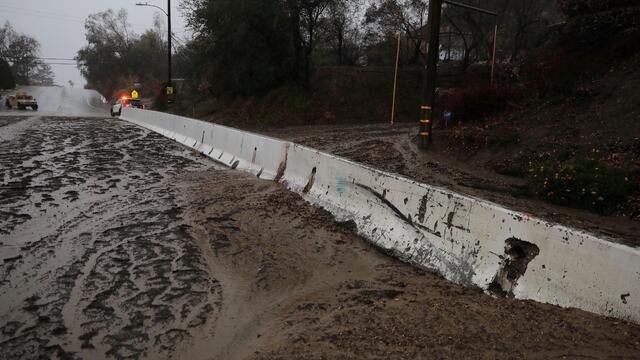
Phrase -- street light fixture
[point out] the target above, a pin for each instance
(169, 88)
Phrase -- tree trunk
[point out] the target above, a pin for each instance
(298, 54)
(340, 46)
(416, 52)
(307, 60)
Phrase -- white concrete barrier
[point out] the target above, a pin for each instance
(469, 241)
(260, 155)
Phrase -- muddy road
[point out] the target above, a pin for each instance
(116, 243)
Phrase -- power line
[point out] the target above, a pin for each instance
(57, 16)
(52, 58)
(39, 13)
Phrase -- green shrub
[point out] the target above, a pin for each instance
(586, 183)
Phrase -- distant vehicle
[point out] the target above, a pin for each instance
(116, 109)
(21, 101)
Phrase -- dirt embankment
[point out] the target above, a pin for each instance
(118, 243)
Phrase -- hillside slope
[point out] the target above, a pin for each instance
(565, 147)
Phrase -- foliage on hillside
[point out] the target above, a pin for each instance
(22, 54)
(576, 135)
(6, 76)
(116, 57)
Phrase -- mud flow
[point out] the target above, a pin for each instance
(116, 243)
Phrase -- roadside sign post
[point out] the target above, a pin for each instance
(169, 91)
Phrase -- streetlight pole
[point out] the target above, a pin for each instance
(169, 87)
(169, 41)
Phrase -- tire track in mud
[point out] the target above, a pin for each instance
(96, 260)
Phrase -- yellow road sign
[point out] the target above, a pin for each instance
(169, 90)
(134, 94)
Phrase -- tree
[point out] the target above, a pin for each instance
(101, 62)
(6, 75)
(115, 57)
(244, 46)
(520, 23)
(22, 53)
(342, 29)
(386, 17)
(527, 19)
(310, 14)
(42, 75)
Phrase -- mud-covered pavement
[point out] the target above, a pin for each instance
(92, 242)
(118, 243)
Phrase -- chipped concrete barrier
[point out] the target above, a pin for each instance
(467, 240)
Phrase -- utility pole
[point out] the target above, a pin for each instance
(169, 87)
(425, 137)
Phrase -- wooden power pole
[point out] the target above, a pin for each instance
(425, 137)
(431, 67)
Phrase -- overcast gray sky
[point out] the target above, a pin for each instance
(59, 25)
